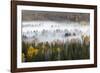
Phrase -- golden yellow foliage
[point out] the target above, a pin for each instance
(31, 52)
(86, 39)
(58, 50)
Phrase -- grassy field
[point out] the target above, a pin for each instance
(34, 52)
